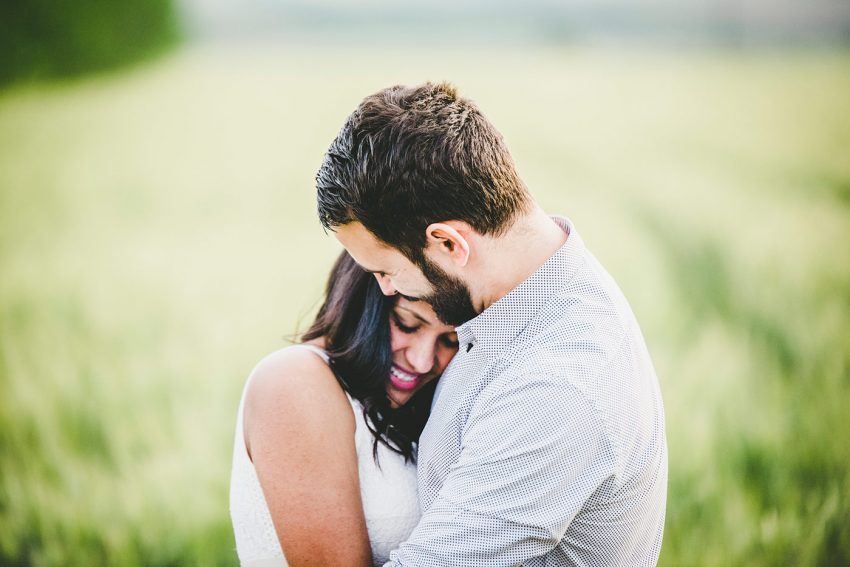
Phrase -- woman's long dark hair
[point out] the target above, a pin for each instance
(354, 321)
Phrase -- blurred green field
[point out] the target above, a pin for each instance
(158, 236)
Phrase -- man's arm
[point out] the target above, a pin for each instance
(531, 456)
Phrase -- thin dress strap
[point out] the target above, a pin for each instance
(318, 350)
(326, 357)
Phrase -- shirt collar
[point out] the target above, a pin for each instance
(495, 328)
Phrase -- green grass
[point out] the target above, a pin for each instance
(158, 236)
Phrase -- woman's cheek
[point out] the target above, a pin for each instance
(396, 341)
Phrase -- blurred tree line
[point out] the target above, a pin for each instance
(63, 38)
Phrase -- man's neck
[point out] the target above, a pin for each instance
(511, 258)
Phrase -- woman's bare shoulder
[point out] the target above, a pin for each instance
(294, 385)
(300, 435)
(292, 366)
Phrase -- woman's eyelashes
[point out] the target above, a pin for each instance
(402, 327)
(449, 341)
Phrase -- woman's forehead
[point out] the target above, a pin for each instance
(422, 311)
(418, 308)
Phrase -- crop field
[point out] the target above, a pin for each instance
(158, 237)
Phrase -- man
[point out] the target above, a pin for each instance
(546, 442)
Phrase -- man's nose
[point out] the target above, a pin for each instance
(386, 285)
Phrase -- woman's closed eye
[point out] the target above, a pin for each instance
(402, 327)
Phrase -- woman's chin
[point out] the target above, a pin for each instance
(397, 397)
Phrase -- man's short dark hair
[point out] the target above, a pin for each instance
(411, 156)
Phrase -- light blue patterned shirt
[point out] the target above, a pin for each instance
(546, 443)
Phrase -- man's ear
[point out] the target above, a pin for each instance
(449, 241)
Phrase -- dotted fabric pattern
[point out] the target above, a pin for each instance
(388, 492)
(546, 442)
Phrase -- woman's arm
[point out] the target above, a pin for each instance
(299, 431)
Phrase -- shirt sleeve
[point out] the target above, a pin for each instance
(531, 456)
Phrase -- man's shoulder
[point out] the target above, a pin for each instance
(584, 342)
(579, 329)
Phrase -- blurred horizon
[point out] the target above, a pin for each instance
(718, 23)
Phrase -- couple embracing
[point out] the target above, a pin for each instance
(474, 391)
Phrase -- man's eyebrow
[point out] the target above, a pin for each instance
(368, 271)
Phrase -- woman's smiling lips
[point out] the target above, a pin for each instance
(403, 379)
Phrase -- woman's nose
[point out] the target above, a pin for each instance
(421, 357)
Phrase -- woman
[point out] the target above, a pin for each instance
(323, 461)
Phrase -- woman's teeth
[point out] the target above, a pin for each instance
(402, 375)
(402, 380)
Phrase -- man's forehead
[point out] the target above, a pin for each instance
(372, 254)
(355, 235)
(370, 261)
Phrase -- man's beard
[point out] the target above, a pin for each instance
(450, 297)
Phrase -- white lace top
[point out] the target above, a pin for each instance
(390, 503)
